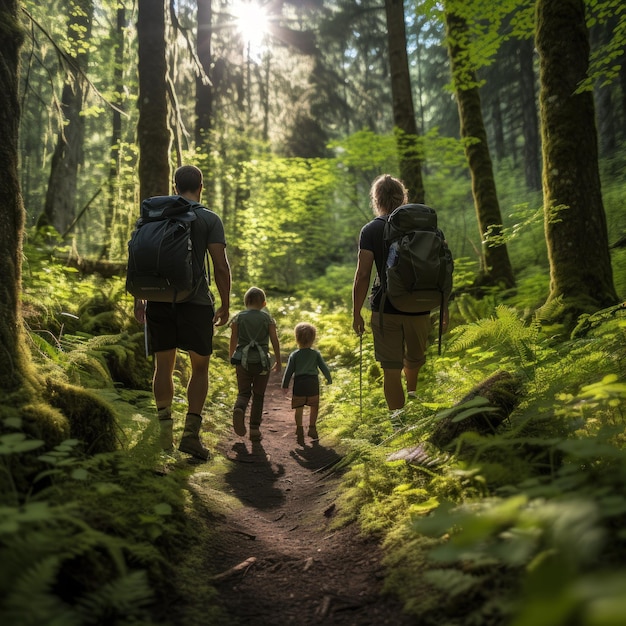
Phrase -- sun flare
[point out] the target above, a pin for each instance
(251, 20)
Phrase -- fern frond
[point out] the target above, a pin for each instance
(125, 597)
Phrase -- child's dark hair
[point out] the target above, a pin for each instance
(387, 193)
(254, 296)
(305, 334)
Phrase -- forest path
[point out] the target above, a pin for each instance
(295, 569)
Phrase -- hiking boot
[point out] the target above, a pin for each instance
(412, 395)
(190, 442)
(396, 419)
(300, 435)
(166, 429)
(239, 425)
(255, 434)
(166, 434)
(313, 433)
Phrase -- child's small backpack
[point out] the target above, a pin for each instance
(265, 358)
(419, 264)
(242, 354)
(161, 264)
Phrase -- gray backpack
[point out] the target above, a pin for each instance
(418, 270)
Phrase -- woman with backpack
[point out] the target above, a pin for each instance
(400, 338)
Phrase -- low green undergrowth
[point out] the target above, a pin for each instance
(523, 526)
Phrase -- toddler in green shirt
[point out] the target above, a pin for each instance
(303, 364)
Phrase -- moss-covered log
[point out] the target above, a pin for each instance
(90, 419)
(501, 393)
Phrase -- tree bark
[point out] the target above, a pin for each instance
(530, 125)
(204, 90)
(497, 268)
(498, 128)
(60, 204)
(622, 83)
(153, 134)
(403, 110)
(581, 277)
(116, 130)
(12, 208)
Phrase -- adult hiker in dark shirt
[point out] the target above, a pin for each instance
(188, 325)
(401, 344)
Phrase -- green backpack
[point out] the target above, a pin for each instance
(419, 265)
(242, 354)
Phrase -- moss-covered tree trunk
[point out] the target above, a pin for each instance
(153, 135)
(11, 208)
(23, 396)
(403, 110)
(60, 204)
(497, 268)
(581, 278)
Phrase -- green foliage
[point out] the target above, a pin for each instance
(334, 288)
(105, 515)
(531, 514)
(286, 221)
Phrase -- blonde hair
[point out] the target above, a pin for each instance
(254, 296)
(387, 193)
(305, 334)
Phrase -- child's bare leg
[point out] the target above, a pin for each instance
(313, 415)
(313, 420)
(299, 429)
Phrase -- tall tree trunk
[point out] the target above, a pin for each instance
(498, 127)
(116, 131)
(581, 277)
(530, 125)
(622, 83)
(12, 208)
(603, 94)
(497, 268)
(204, 89)
(403, 111)
(153, 135)
(606, 120)
(60, 205)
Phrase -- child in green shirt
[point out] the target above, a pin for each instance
(303, 364)
(251, 332)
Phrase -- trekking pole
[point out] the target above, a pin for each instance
(361, 376)
(145, 339)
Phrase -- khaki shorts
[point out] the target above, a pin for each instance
(402, 341)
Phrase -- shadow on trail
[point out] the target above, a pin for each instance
(316, 457)
(253, 477)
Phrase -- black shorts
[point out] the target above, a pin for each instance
(306, 391)
(183, 325)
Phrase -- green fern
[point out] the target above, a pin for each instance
(501, 337)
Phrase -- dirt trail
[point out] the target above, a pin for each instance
(293, 568)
